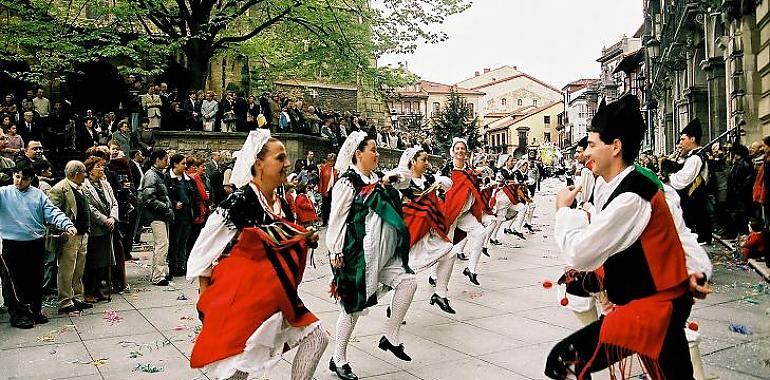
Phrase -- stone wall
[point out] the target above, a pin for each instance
(203, 143)
(329, 98)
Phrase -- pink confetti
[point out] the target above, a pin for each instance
(112, 317)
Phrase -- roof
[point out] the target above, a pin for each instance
(517, 117)
(578, 84)
(512, 77)
(427, 87)
(630, 62)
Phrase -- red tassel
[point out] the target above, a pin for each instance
(333, 291)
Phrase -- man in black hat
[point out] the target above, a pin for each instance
(585, 177)
(632, 237)
(690, 182)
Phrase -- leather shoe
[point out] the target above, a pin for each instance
(495, 242)
(398, 351)
(519, 235)
(344, 371)
(507, 231)
(82, 305)
(431, 281)
(442, 303)
(529, 228)
(68, 309)
(485, 251)
(462, 256)
(162, 282)
(471, 276)
(40, 319)
(22, 323)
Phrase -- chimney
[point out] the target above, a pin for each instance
(477, 73)
(486, 70)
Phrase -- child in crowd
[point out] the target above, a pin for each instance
(754, 247)
(305, 205)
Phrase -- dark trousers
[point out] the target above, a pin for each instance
(50, 269)
(326, 207)
(579, 347)
(21, 270)
(695, 214)
(177, 244)
(118, 280)
(195, 231)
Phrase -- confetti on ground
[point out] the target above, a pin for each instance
(112, 317)
(740, 329)
(126, 343)
(51, 336)
(186, 318)
(148, 368)
(95, 362)
(134, 354)
(181, 297)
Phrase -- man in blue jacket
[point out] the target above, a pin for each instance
(24, 213)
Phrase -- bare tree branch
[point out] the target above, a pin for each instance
(222, 42)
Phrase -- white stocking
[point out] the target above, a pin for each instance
(399, 305)
(308, 354)
(345, 325)
(443, 273)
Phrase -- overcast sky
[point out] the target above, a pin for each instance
(556, 41)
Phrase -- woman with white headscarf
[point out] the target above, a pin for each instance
(467, 209)
(368, 246)
(249, 261)
(430, 245)
(507, 200)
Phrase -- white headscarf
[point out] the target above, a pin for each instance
(501, 160)
(348, 149)
(247, 156)
(455, 141)
(407, 157)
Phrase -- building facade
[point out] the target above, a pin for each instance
(508, 90)
(417, 104)
(517, 132)
(579, 102)
(612, 80)
(708, 59)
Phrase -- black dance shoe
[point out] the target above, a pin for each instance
(471, 276)
(462, 256)
(344, 371)
(529, 228)
(485, 251)
(398, 351)
(507, 231)
(442, 303)
(519, 235)
(432, 281)
(495, 242)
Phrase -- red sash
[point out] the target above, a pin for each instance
(510, 191)
(422, 214)
(258, 278)
(464, 184)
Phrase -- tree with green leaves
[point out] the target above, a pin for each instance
(456, 119)
(337, 40)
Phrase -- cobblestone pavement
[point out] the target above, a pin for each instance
(502, 330)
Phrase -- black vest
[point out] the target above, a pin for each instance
(627, 275)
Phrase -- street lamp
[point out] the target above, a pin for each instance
(653, 49)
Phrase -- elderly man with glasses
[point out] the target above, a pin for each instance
(68, 196)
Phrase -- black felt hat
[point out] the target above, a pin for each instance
(621, 119)
(693, 129)
(583, 143)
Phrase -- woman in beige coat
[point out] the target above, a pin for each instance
(104, 219)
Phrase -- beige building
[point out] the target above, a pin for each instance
(528, 129)
(417, 104)
(508, 90)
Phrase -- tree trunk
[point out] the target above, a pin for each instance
(198, 55)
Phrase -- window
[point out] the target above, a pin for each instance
(436, 106)
(408, 108)
(520, 102)
(547, 136)
(547, 119)
(504, 102)
(534, 102)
